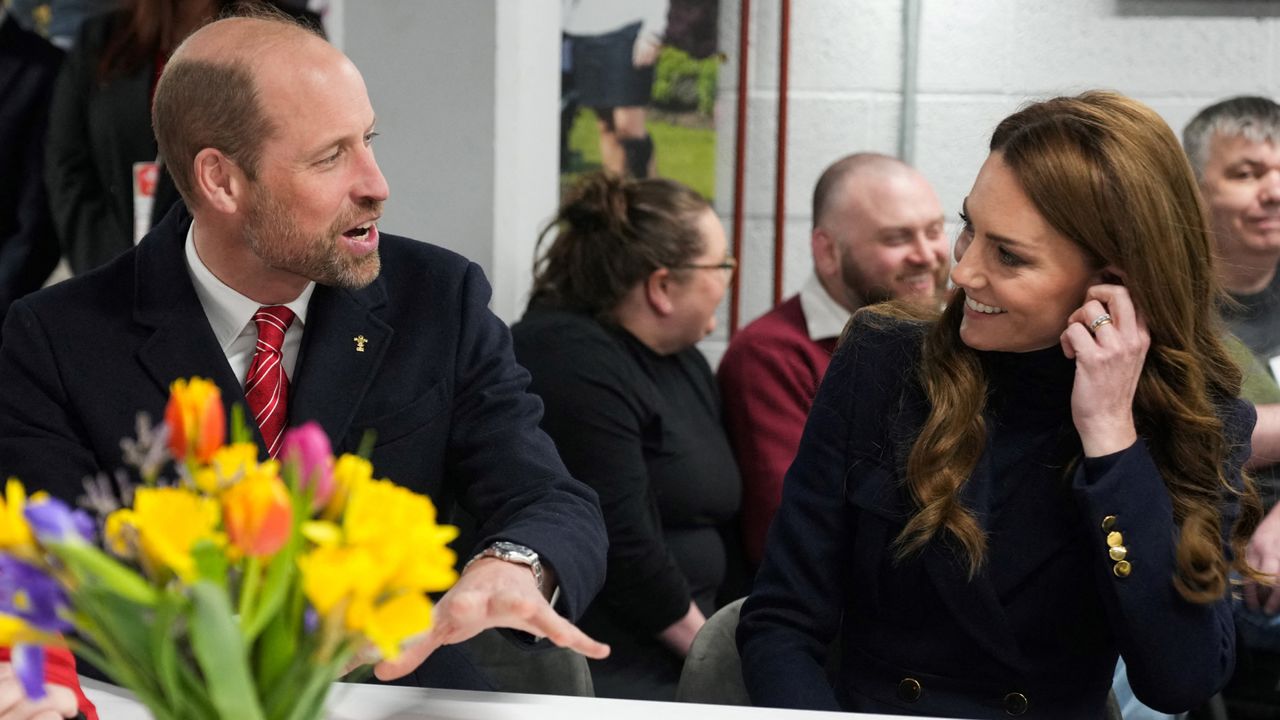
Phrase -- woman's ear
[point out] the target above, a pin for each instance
(1110, 275)
(657, 290)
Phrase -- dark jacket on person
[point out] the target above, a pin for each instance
(1037, 631)
(28, 246)
(433, 377)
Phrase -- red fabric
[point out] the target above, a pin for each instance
(266, 389)
(60, 669)
(768, 377)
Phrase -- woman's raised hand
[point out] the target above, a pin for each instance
(1109, 341)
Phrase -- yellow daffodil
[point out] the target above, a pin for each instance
(322, 533)
(121, 533)
(331, 574)
(399, 527)
(196, 419)
(15, 532)
(377, 563)
(15, 631)
(396, 620)
(170, 521)
(348, 471)
(228, 465)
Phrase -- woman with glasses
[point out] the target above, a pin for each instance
(987, 508)
(623, 292)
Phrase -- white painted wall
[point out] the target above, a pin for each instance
(978, 61)
(467, 97)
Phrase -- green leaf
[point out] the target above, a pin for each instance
(367, 440)
(211, 562)
(91, 566)
(221, 654)
(115, 624)
(239, 430)
(164, 648)
(107, 657)
(250, 577)
(275, 588)
(273, 652)
(309, 702)
(196, 693)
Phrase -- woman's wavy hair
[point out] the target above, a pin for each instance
(612, 233)
(1107, 173)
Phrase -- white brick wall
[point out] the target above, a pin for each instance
(978, 61)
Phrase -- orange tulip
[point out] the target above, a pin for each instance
(196, 420)
(257, 512)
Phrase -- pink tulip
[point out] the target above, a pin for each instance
(308, 447)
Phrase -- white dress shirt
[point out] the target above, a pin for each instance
(230, 315)
(824, 316)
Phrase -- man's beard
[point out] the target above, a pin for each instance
(863, 291)
(279, 242)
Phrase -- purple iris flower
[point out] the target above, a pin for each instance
(311, 620)
(27, 593)
(53, 520)
(28, 665)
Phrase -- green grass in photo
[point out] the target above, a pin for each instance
(687, 154)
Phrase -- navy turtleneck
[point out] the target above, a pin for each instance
(1031, 443)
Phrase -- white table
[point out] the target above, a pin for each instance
(371, 702)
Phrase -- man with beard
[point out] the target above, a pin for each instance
(273, 280)
(877, 235)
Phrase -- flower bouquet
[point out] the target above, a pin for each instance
(238, 588)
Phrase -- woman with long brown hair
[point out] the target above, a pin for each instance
(989, 506)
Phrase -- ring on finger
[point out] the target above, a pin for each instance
(1103, 319)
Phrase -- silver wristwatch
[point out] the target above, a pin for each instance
(512, 553)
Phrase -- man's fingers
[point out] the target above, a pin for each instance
(565, 634)
(410, 658)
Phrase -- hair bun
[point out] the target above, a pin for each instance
(597, 203)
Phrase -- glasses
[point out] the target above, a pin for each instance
(727, 267)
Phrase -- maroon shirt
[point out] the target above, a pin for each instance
(768, 378)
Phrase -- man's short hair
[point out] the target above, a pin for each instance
(1254, 118)
(833, 177)
(213, 104)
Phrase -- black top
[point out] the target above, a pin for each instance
(644, 431)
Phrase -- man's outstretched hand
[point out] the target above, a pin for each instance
(492, 593)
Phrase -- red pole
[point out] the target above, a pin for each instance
(780, 181)
(740, 158)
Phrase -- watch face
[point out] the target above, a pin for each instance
(512, 551)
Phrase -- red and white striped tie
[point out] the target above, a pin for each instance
(267, 387)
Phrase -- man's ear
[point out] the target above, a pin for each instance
(218, 182)
(657, 290)
(826, 253)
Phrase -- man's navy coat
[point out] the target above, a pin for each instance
(436, 381)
